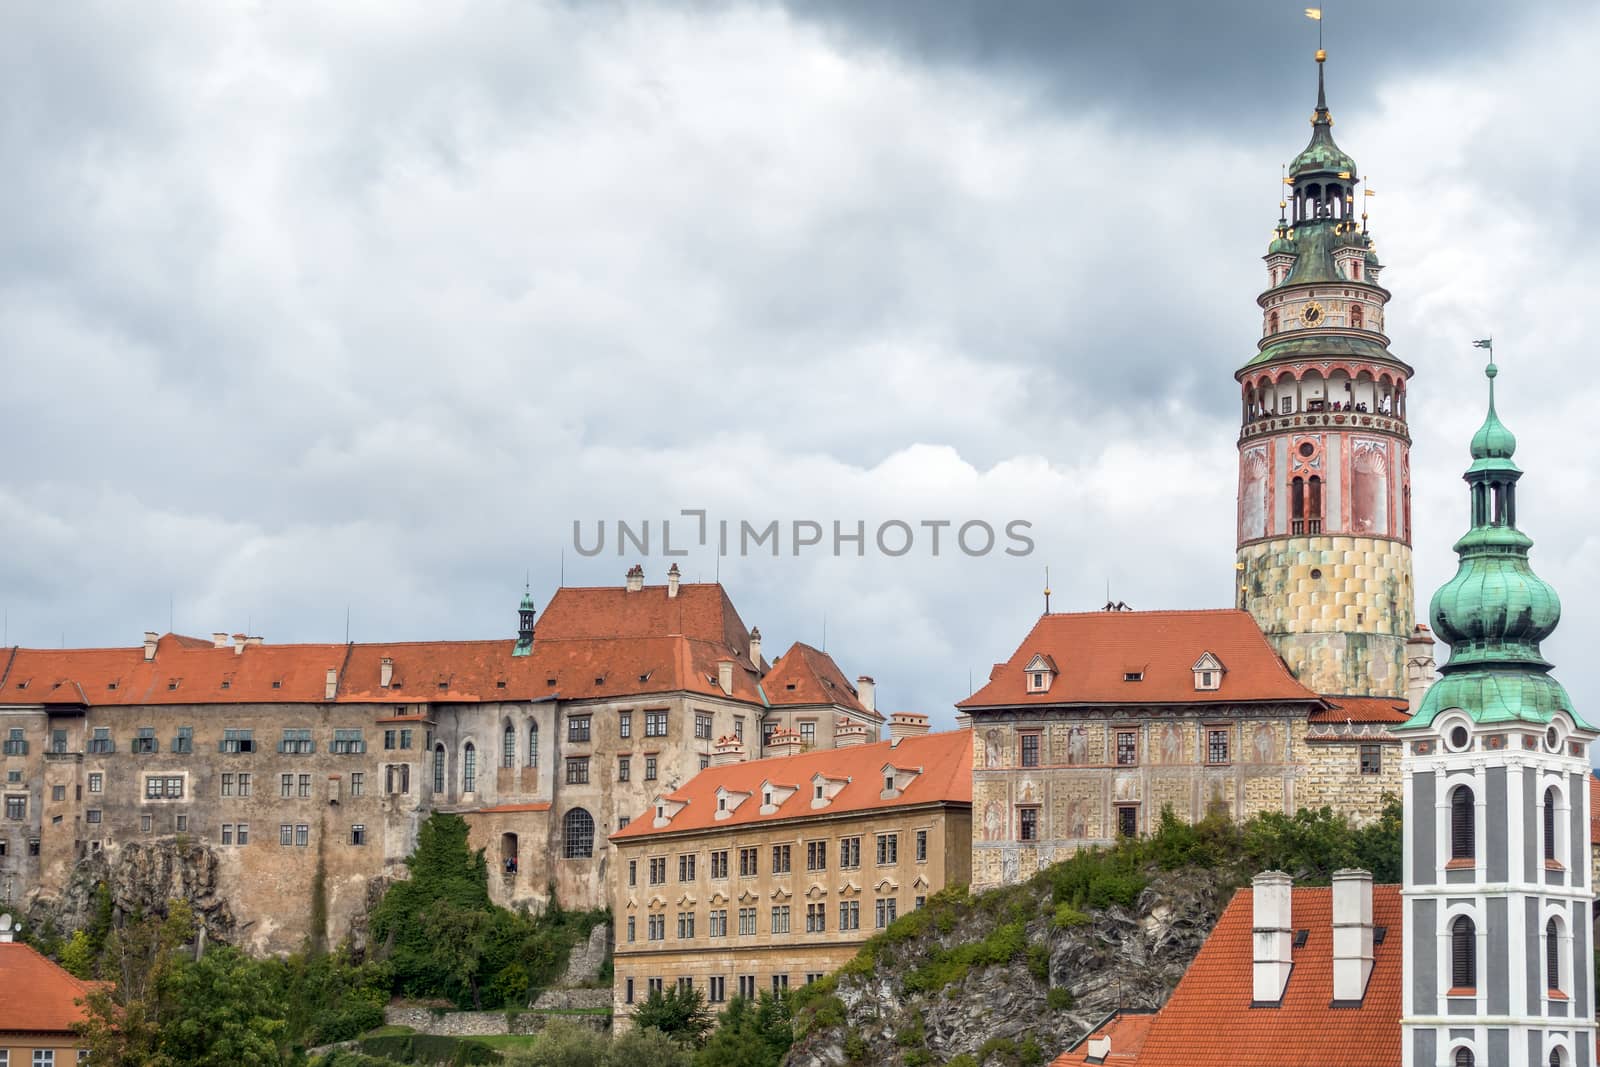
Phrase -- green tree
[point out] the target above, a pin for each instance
(78, 955)
(223, 1009)
(458, 942)
(750, 1034)
(123, 1024)
(563, 1045)
(646, 1047)
(679, 1012)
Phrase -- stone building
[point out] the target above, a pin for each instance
(766, 874)
(272, 783)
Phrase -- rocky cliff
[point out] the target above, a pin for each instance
(142, 877)
(1011, 977)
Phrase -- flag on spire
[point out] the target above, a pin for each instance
(1314, 13)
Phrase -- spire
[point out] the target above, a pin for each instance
(1495, 611)
(1321, 118)
(1322, 157)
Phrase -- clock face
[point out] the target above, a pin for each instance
(1311, 314)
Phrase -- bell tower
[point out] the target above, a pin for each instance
(1324, 505)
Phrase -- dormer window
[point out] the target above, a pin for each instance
(1208, 671)
(766, 798)
(817, 794)
(1133, 676)
(722, 803)
(888, 783)
(1040, 672)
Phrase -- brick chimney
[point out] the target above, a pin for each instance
(867, 692)
(150, 639)
(1273, 893)
(907, 724)
(1352, 935)
(1419, 664)
(755, 647)
(849, 732)
(330, 688)
(672, 580)
(729, 750)
(725, 676)
(635, 581)
(385, 672)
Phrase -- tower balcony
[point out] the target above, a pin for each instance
(1323, 419)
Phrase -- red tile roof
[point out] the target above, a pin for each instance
(944, 759)
(1127, 1031)
(1362, 710)
(39, 996)
(806, 675)
(1095, 650)
(501, 809)
(1209, 1022)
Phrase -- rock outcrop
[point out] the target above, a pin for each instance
(142, 877)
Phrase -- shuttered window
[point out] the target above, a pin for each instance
(1549, 824)
(1552, 955)
(1461, 823)
(1463, 954)
(1463, 1057)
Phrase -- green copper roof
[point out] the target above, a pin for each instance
(1322, 346)
(1495, 611)
(527, 602)
(1322, 156)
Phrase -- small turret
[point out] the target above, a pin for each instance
(525, 614)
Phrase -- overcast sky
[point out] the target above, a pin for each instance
(315, 308)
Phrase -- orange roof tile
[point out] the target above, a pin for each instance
(806, 675)
(945, 760)
(39, 996)
(1362, 710)
(1127, 1030)
(1094, 650)
(502, 809)
(1209, 1022)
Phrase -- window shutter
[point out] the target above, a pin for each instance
(1463, 969)
(1549, 824)
(1461, 835)
(1552, 955)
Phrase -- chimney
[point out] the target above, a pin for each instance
(755, 647)
(150, 639)
(1352, 934)
(672, 580)
(1419, 664)
(867, 692)
(1099, 1048)
(635, 580)
(725, 676)
(1274, 935)
(784, 743)
(254, 642)
(219, 640)
(8, 929)
(330, 688)
(729, 750)
(907, 724)
(849, 732)
(239, 643)
(385, 673)
(963, 720)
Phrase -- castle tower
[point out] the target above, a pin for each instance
(1324, 518)
(1498, 965)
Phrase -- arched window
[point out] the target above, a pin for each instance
(1552, 955)
(508, 747)
(578, 835)
(1463, 1057)
(438, 768)
(1555, 1058)
(1550, 823)
(533, 744)
(1272, 323)
(1357, 316)
(1462, 829)
(469, 768)
(1314, 505)
(1297, 506)
(1463, 954)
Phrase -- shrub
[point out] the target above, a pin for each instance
(1058, 998)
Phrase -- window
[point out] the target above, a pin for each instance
(508, 747)
(1462, 818)
(780, 984)
(849, 915)
(389, 738)
(533, 744)
(101, 743)
(397, 779)
(58, 792)
(227, 784)
(655, 723)
(1030, 750)
(886, 907)
(1463, 954)
(297, 743)
(305, 787)
(624, 724)
(348, 743)
(686, 867)
(738, 727)
(1550, 854)
(748, 863)
(469, 768)
(227, 833)
(236, 741)
(578, 728)
(656, 928)
(649, 768)
(922, 846)
(242, 834)
(438, 769)
(780, 858)
(888, 849)
(718, 923)
(808, 734)
(578, 834)
(44, 1057)
(1371, 759)
(163, 787)
(702, 726)
(144, 741)
(816, 918)
(780, 919)
(1216, 746)
(1036, 682)
(1463, 1057)
(685, 984)
(14, 743)
(747, 922)
(716, 990)
(747, 986)
(632, 929)
(358, 783)
(1127, 821)
(849, 852)
(719, 863)
(16, 807)
(92, 816)
(58, 741)
(146, 824)
(1552, 956)
(624, 768)
(577, 770)
(685, 925)
(285, 833)
(1127, 747)
(358, 834)
(1028, 823)
(302, 835)
(816, 855)
(627, 996)
(658, 870)
(97, 782)
(654, 984)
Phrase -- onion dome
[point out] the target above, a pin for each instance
(1322, 155)
(1495, 611)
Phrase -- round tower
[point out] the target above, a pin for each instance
(1324, 517)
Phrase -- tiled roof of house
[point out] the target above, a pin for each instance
(1208, 1022)
(943, 762)
(39, 996)
(1127, 1031)
(592, 643)
(1096, 651)
(806, 675)
(1362, 710)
